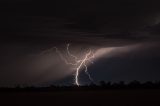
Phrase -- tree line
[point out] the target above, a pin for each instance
(102, 85)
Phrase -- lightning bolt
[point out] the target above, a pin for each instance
(79, 64)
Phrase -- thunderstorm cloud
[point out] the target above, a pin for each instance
(119, 33)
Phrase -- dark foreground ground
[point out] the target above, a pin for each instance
(82, 98)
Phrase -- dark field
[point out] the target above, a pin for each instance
(82, 98)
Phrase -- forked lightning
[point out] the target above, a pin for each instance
(79, 64)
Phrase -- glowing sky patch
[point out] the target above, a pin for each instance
(72, 59)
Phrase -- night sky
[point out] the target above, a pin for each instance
(124, 34)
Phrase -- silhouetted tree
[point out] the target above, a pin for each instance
(121, 84)
(148, 84)
(92, 84)
(102, 83)
(134, 84)
(108, 84)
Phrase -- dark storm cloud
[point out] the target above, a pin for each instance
(110, 19)
(142, 65)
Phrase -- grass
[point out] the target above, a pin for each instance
(132, 97)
